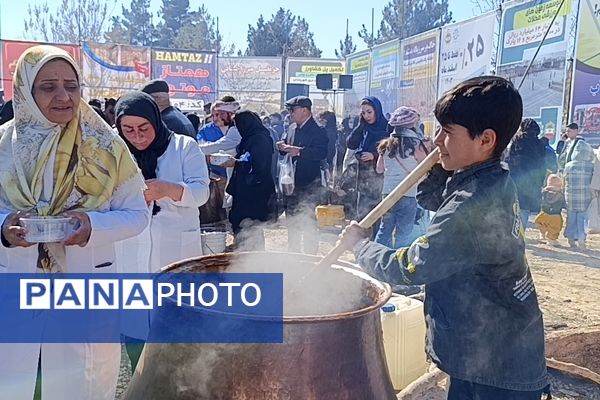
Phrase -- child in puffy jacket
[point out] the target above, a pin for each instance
(549, 220)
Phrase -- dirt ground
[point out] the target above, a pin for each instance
(567, 282)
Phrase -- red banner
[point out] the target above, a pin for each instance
(11, 51)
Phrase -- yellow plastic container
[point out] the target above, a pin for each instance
(330, 215)
(403, 325)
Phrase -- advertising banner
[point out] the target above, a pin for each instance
(466, 50)
(111, 70)
(419, 75)
(358, 65)
(585, 99)
(523, 27)
(11, 51)
(191, 75)
(305, 71)
(385, 73)
(254, 82)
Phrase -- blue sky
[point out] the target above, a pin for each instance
(327, 19)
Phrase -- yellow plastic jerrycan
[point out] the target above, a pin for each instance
(330, 215)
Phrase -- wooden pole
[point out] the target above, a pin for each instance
(388, 202)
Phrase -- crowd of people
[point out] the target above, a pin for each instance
(549, 182)
(142, 179)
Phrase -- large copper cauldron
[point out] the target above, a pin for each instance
(329, 357)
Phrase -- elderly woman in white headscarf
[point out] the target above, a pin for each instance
(58, 157)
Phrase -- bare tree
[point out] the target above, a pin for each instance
(483, 6)
(73, 21)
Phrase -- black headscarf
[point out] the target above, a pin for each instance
(140, 104)
(248, 123)
(6, 113)
(530, 128)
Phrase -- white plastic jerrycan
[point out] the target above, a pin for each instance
(403, 325)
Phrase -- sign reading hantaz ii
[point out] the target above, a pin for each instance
(191, 75)
(180, 56)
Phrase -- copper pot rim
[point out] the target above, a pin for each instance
(383, 288)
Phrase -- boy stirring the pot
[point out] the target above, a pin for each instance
(484, 325)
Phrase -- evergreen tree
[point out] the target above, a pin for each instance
(175, 14)
(283, 35)
(134, 27)
(367, 37)
(199, 32)
(346, 46)
(73, 21)
(302, 43)
(405, 18)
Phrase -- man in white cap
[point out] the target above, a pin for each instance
(223, 111)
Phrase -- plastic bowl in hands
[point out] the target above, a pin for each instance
(47, 229)
(220, 158)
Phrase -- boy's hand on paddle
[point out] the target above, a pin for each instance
(353, 234)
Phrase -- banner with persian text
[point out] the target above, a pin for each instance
(358, 65)
(191, 75)
(255, 82)
(385, 74)
(11, 51)
(585, 100)
(466, 50)
(523, 27)
(305, 71)
(111, 70)
(419, 75)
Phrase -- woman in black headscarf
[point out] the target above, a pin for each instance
(251, 184)
(176, 176)
(526, 162)
(364, 139)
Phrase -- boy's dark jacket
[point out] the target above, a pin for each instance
(484, 324)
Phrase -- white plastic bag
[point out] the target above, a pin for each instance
(286, 175)
(593, 213)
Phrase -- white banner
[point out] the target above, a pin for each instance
(466, 50)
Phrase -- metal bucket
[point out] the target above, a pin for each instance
(333, 356)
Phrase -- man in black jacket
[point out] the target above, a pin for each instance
(172, 117)
(307, 145)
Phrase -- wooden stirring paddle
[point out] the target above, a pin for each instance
(387, 203)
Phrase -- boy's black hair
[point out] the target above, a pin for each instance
(485, 102)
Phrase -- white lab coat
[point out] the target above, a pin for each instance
(173, 233)
(87, 371)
